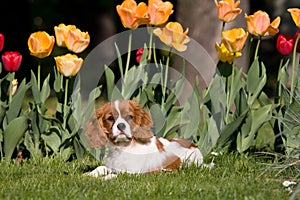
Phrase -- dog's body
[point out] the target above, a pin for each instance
(132, 146)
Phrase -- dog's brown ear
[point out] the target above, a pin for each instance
(143, 121)
(142, 117)
(142, 134)
(96, 137)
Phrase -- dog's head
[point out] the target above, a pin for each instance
(124, 121)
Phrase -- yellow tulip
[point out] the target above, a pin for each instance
(172, 35)
(259, 24)
(224, 55)
(295, 13)
(234, 39)
(133, 15)
(228, 10)
(68, 64)
(40, 44)
(159, 11)
(61, 33)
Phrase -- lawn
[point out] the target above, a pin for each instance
(233, 177)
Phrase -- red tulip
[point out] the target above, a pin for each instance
(295, 37)
(285, 44)
(11, 61)
(1, 41)
(139, 54)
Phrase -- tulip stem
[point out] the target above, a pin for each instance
(249, 49)
(65, 104)
(39, 76)
(229, 92)
(293, 68)
(11, 88)
(278, 89)
(154, 56)
(223, 27)
(128, 55)
(166, 77)
(257, 47)
(150, 43)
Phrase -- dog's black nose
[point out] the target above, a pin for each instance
(121, 126)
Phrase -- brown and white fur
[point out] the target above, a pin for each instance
(132, 146)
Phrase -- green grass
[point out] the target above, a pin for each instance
(233, 177)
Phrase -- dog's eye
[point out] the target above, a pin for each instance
(128, 117)
(111, 118)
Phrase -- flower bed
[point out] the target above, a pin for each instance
(232, 113)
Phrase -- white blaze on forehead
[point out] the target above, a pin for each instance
(117, 107)
(119, 120)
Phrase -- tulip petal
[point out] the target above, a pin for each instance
(295, 13)
(40, 44)
(228, 10)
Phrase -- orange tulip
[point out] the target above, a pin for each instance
(295, 13)
(172, 35)
(224, 55)
(71, 37)
(77, 41)
(228, 10)
(68, 64)
(40, 44)
(159, 11)
(234, 40)
(61, 33)
(259, 24)
(133, 15)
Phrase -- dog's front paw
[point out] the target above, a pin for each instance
(101, 171)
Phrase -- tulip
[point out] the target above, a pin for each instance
(77, 41)
(1, 41)
(61, 33)
(133, 15)
(13, 87)
(71, 37)
(68, 64)
(159, 11)
(295, 13)
(285, 44)
(234, 40)
(139, 54)
(259, 24)
(228, 10)
(11, 61)
(40, 44)
(172, 35)
(295, 38)
(224, 55)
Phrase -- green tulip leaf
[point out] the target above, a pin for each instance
(158, 118)
(256, 80)
(144, 58)
(255, 119)
(79, 149)
(13, 133)
(45, 92)
(112, 91)
(237, 85)
(120, 63)
(34, 88)
(17, 101)
(228, 131)
(52, 139)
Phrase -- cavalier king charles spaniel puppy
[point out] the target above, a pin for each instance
(133, 148)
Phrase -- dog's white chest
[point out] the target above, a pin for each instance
(137, 158)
